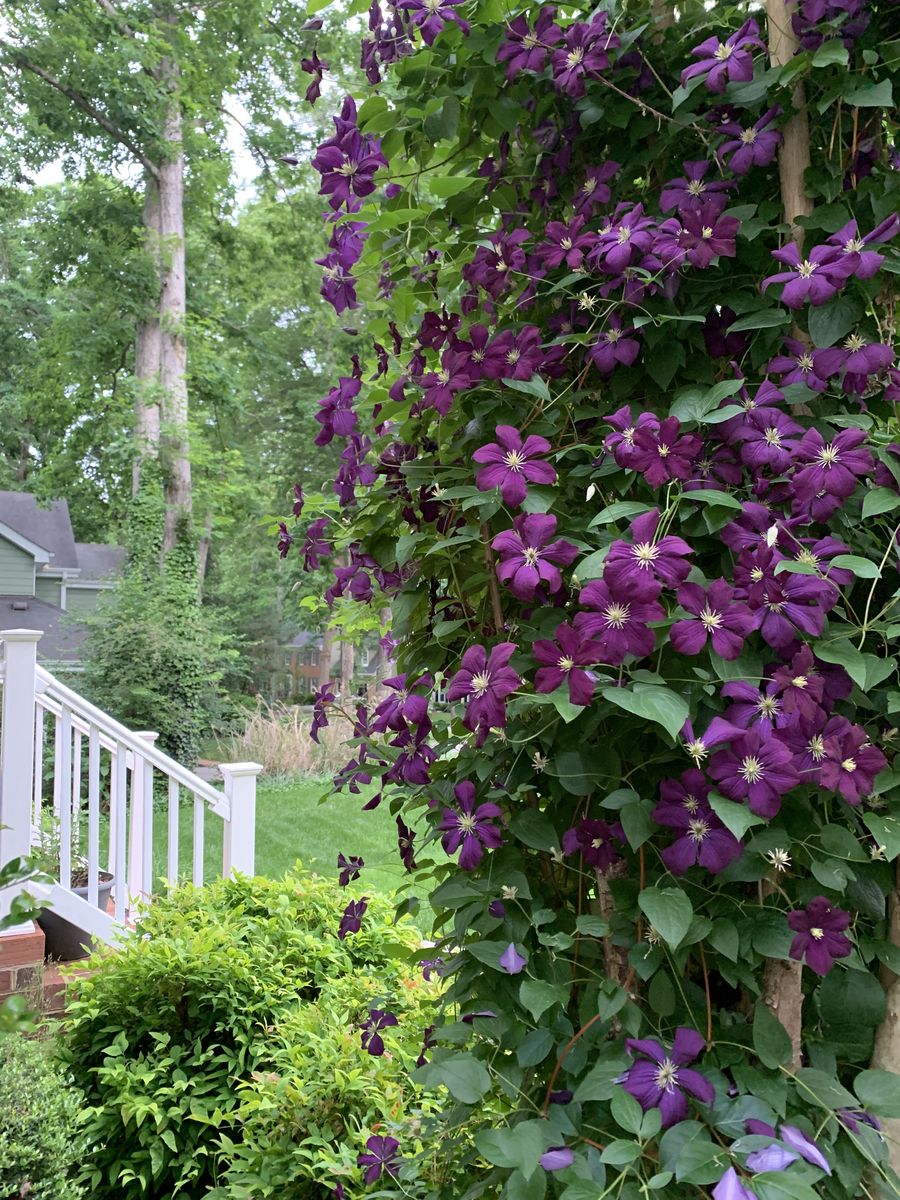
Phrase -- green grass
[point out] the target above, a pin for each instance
(292, 825)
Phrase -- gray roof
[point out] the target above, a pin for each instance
(49, 527)
(301, 639)
(62, 638)
(99, 561)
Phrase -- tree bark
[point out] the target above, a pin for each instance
(615, 958)
(783, 996)
(347, 663)
(663, 13)
(793, 157)
(325, 658)
(147, 347)
(173, 308)
(886, 1054)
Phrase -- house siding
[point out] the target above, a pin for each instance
(16, 570)
(47, 590)
(83, 600)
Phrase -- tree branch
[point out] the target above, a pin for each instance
(87, 107)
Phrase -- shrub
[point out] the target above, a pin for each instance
(40, 1141)
(277, 735)
(166, 1031)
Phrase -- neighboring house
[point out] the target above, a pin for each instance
(47, 579)
(301, 670)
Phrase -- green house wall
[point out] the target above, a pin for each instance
(47, 590)
(16, 570)
(82, 600)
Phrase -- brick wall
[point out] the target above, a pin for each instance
(21, 963)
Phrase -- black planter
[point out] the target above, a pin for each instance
(63, 941)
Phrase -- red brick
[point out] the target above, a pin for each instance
(7, 982)
(22, 949)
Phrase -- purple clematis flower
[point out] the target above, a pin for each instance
(691, 190)
(620, 625)
(665, 453)
(565, 244)
(827, 473)
(751, 146)
(664, 1080)
(525, 49)
(529, 560)
(614, 347)
(862, 359)
(757, 769)
(584, 53)
(511, 463)
(404, 704)
(406, 844)
(377, 1020)
(716, 617)
(801, 364)
(644, 565)
(595, 190)
(804, 1146)
(471, 828)
(381, 1158)
(351, 921)
(851, 762)
(819, 934)
(799, 684)
(486, 681)
(512, 962)
(428, 1043)
(621, 442)
(315, 547)
(768, 438)
(316, 67)
(430, 16)
(567, 661)
(596, 842)
(792, 604)
(852, 1118)
(730, 1187)
(698, 235)
(770, 1158)
(851, 242)
(557, 1158)
(285, 540)
(725, 62)
(703, 839)
(349, 868)
(816, 278)
(324, 696)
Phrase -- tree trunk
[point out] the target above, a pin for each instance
(325, 658)
(147, 346)
(793, 157)
(203, 550)
(173, 347)
(886, 1054)
(347, 663)
(783, 996)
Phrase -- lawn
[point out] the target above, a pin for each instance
(291, 824)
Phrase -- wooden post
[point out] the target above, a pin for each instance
(793, 157)
(239, 843)
(140, 831)
(17, 750)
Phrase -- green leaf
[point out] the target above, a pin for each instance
(394, 217)
(537, 996)
(845, 655)
(771, 1040)
(825, 1089)
(780, 1185)
(871, 95)
(626, 1112)
(574, 771)
(658, 704)
(636, 823)
(879, 1091)
(564, 706)
(724, 937)
(851, 996)
(600, 1082)
(619, 1153)
(886, 832)
(711, 496)
(861, 567)
(446, 186)
(763, 318)
(830, 322)
(880, 499)
(465, 1078)
(830, 54)
(661, 994)
(737, 818)
(534, 1047)
(591, 567)
(591, 926)
(669, 911)
(534, 829)
(693, 405)
(521, 1146)
(622, 510)
(535, 386)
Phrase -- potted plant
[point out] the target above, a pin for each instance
(63, 941)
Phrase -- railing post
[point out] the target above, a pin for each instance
(17, 750)
(140, 849)
(239, 843)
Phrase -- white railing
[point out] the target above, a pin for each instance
(67, 765)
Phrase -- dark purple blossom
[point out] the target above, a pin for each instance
(377, 1020)
(598, 842)
(336, 415)
(428, 1043)
(315, 547)
(862, 359)
(725, 62)
(349, 868)
(406, 844)
(511, 463)
(512, 962)
(664, 1080)
(351, 921)
(768, 438)
(851, 762)
(557, 1158)
(854, 244)
(595, 190)
(493, 269)
(430, 16)
(666, 453)
(584, 53)
(565, 244)
(715, 617)
(702, 837)
(750, 146)
(514, 355)
(470, 829)
(815, 278)
(827, 473)
(285, 540)
(819, 935)
(437, 329)
(757, 769)
(621, 442)
(525, 49)
(324, 696)
(852, 1118)
(486, 681)
(799, 363)
(381, 1158)
(644, 565)
(692, 189)
(697, 235)
(719, 342)
(347, 165)
(567, 661)
(615, 346)
(405, 704)
(618, 620)
(624, 240)
(529, 560)
(316, 67)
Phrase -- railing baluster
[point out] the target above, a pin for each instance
(64, 741)
(76, 790)
(120, 803)
(147, 858)
(199, 814)
(93, 853)
(172, 856)
(57, 769)
(38, 765)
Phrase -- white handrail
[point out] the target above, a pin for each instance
(217, 801)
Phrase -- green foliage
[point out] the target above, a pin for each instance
(174, 1036)
(155, 657)
(40, 1137)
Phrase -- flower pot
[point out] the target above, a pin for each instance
(63, 941)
